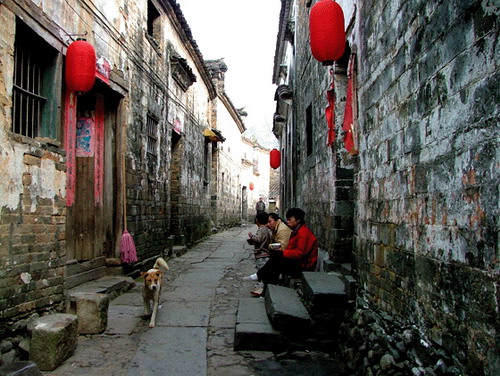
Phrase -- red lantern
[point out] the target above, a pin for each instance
(327, 33)
(251, 186)
(80, 66)
(275, 158)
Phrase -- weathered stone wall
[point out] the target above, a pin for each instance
(426, 235)
(32, 206)
(425, 184)
(321, 182)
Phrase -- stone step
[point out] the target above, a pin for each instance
(253, 328)
(84, 276)
(179, 250)
(112, 286)
(324, 292)
(285, 310)
(21, 368)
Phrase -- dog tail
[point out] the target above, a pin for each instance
(161, 262)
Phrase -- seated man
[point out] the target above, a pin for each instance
(301, 254)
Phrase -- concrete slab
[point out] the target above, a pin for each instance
(188, 314)
(199, 277)
(324, 291)
(285, 310)
(123, 319)
(190, 293)
(171, 351)
(130, 298)
(253, 328)
(105, 285)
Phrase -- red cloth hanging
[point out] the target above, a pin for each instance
(350, 113)
(330, 113)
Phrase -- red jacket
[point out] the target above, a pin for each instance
(303, 245)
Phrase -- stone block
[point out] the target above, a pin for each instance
(253, 328)
(285, 310)
(21, 368)
(53, 340)
(324, 292)
(91, 310)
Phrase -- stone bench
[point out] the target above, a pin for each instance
(253, 328)
(53, 340)
(285, 310)
(92, 311)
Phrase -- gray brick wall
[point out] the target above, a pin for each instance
(424, 189)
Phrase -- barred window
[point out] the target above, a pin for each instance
(36, 89)
(152, 133)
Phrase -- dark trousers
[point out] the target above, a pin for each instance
(277, 265)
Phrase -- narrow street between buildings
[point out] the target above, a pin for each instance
(195, 327)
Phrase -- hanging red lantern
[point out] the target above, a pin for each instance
(251, 186)
(80, 66)
(275, 158)
(327, 33)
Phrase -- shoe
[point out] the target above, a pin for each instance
(252, 277)
(257, 292)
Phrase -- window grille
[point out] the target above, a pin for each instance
(36, 93)
(28, 100)
(152, 134)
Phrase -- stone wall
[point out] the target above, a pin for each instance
(320, 179)
(425, 183)
(426, 242)
(32, 205)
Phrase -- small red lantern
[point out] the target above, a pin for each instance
(327, 33)
(80, 66)
(275, 158)
(251, 186)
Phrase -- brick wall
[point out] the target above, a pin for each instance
(32, 207)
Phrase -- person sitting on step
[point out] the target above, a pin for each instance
(301, 253)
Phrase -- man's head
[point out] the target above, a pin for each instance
(273, 221)
(294, 217)
(261, 218)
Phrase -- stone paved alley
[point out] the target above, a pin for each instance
(195, 324)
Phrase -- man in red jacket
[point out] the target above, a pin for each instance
(301, 254)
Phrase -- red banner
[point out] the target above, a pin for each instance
(330, 113)
(350, 113)
(99, 150)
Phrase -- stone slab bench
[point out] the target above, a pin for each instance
(285, 310)
(324, 292)
(53, 340)
(253, 328)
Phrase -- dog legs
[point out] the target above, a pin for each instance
(156, 301)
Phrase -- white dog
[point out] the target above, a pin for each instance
(153, 280)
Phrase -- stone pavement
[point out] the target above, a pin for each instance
(195, 326)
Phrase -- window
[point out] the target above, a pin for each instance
(153, 22)
(309, 131)
(152, 134)
(37, 83)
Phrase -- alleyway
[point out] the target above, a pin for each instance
(195, 324)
